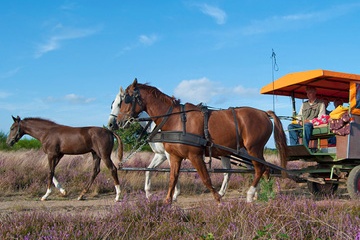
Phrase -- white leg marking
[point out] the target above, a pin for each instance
(158, 159)
(58, 186)
(226, 165)
(118, 191)
(250, 194)
(48, 191)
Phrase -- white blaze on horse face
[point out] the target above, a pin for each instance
(115, 107)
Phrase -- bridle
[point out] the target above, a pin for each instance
(134, 99)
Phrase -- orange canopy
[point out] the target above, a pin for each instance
(329, 84)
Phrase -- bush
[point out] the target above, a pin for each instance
(25, 143)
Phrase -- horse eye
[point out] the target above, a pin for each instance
(111, 104)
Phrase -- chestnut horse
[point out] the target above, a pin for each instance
(233, 128)
(160, 155)
(58, 140)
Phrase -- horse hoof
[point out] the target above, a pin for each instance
(81, 198)
(167, 201)
(43, 199)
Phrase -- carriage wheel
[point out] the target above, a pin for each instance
(322, 189)
(353, 183)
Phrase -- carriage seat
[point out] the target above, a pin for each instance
(322, 131)
(319, 137)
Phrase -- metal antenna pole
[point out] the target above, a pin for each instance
(274, 67)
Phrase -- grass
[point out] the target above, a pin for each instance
(278, 215)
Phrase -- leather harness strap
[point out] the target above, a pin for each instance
(158, 127)
(236, 130)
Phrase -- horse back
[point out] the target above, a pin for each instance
(78, 140)
(244, 125)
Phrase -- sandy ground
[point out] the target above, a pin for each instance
(105, 202)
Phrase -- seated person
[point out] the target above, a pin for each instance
(313, 108)
(332, 140)
(326, 102)
(338, 102)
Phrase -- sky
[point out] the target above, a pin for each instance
(66, 60)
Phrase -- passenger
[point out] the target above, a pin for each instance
(326, 103)
(332, 140)
(338, 102)
(313, 108)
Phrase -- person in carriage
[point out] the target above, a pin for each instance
(309, 110)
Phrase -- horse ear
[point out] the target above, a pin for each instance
(122, 90)
(135, 82)
(17, 119)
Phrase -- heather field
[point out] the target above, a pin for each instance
(285, 210)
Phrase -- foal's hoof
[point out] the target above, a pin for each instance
(217, 197)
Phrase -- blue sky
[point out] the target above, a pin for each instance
(65, 60)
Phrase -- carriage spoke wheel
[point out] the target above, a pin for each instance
(318, 189)
(353, 183)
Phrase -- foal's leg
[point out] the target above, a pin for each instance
(226, 165)
(110, 165)
(58, 186)
(96, 170)
(53, 160)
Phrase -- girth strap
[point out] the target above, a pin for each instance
(236, 129)
(205, 111)
(183, 117)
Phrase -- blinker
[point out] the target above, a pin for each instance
(128, 99)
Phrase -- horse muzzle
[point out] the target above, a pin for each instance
(11, 142)
(125, 123)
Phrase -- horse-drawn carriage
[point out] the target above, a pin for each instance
(191, 132)
(335, 164)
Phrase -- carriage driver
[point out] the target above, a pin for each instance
(313, 108)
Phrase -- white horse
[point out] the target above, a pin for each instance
(158, 148)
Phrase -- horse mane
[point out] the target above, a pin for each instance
(158, 94)
(44, 121)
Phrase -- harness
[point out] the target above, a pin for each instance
(181, 137)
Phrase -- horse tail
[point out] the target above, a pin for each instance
(280, 140)
(120, 148)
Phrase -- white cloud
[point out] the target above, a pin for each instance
(10, 73)
(210, 92)
(54, 42)
(218, 14)
(196, 90)
(148, 40)
(72, 98)
(4, 94)
(293, 21)
(143, 40)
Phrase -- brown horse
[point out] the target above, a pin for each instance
(58, 140)
(234, 128)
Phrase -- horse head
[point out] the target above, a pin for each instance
(115, 106)
(15, 132)
(132, 105)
